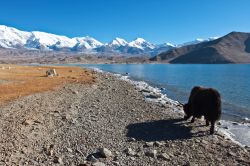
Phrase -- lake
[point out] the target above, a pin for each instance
(177, 80)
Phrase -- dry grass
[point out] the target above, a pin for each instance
(17, 81)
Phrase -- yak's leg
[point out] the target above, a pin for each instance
(192, 121)
(207, 122)
(212, 127)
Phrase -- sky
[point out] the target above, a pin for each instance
(157, 21)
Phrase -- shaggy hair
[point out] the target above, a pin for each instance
(204, 102)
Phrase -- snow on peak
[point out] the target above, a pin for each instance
(48, 39)
(213, 38)
(10, 37)
(14, 38)
(197, 41)
(167, 45)
(118, 42)
(141, 43)
(87, 42)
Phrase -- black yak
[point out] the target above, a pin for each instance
(203, 102)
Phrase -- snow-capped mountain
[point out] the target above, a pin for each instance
(141, 44)
(42, 40)
(197, 41)
(14, 38)
(87, 42)
(117, 42)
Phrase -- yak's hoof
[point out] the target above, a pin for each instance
(211, 132)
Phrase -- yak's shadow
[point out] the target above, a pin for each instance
(161, 130)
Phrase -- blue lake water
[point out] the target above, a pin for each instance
(232, 81)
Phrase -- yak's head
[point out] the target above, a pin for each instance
(187, 111)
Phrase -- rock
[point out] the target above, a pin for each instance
(235, 123)
(158, 143)
(49, 150)
(154, 96)
(58, 160)
(145, 90)
(84, 164)
(131, 139)
(164, 156)
(231, 153)
(115, 158)
(69, 150)
(130, 152)
(75, 92)
(66, 117)
(183, 143)
(151, 153)
(91, 158)
(51, 73)
(204, 142)
(104, 152)
(197, 141)
(149, 144)
(98, 164)
(27, 122)
(132, 158)
(116, 163)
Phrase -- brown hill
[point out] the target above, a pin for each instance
(231, 48)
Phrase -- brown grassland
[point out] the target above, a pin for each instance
(17, 81)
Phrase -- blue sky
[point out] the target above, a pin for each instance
(157, 21)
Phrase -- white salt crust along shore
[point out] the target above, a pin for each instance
(237, 132)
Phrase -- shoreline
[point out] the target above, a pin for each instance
(235, 131)
(230, 110)
(68, 126)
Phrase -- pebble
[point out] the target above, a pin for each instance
(92, 158)
(164, 156)
(27, 122)
(204, 142)
(69, 150)
(75, 92)
(149, 144)
(158, 143)
(116, 163)
(132, 158)
(130, 152)
(98, 164)
(235, 123)
(131, 139)
(58, 160)
(151, 153)
(105, 152)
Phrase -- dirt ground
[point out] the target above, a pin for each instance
(17, 81)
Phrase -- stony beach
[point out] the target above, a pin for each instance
(106, 122)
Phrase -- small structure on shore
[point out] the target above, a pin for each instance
(51, 73)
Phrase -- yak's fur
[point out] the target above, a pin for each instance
(204, 102)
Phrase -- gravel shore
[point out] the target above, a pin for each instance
(107, 123)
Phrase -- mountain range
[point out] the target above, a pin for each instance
(35, 40)
(231, 48)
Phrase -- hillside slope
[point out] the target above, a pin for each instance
(231, 48)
